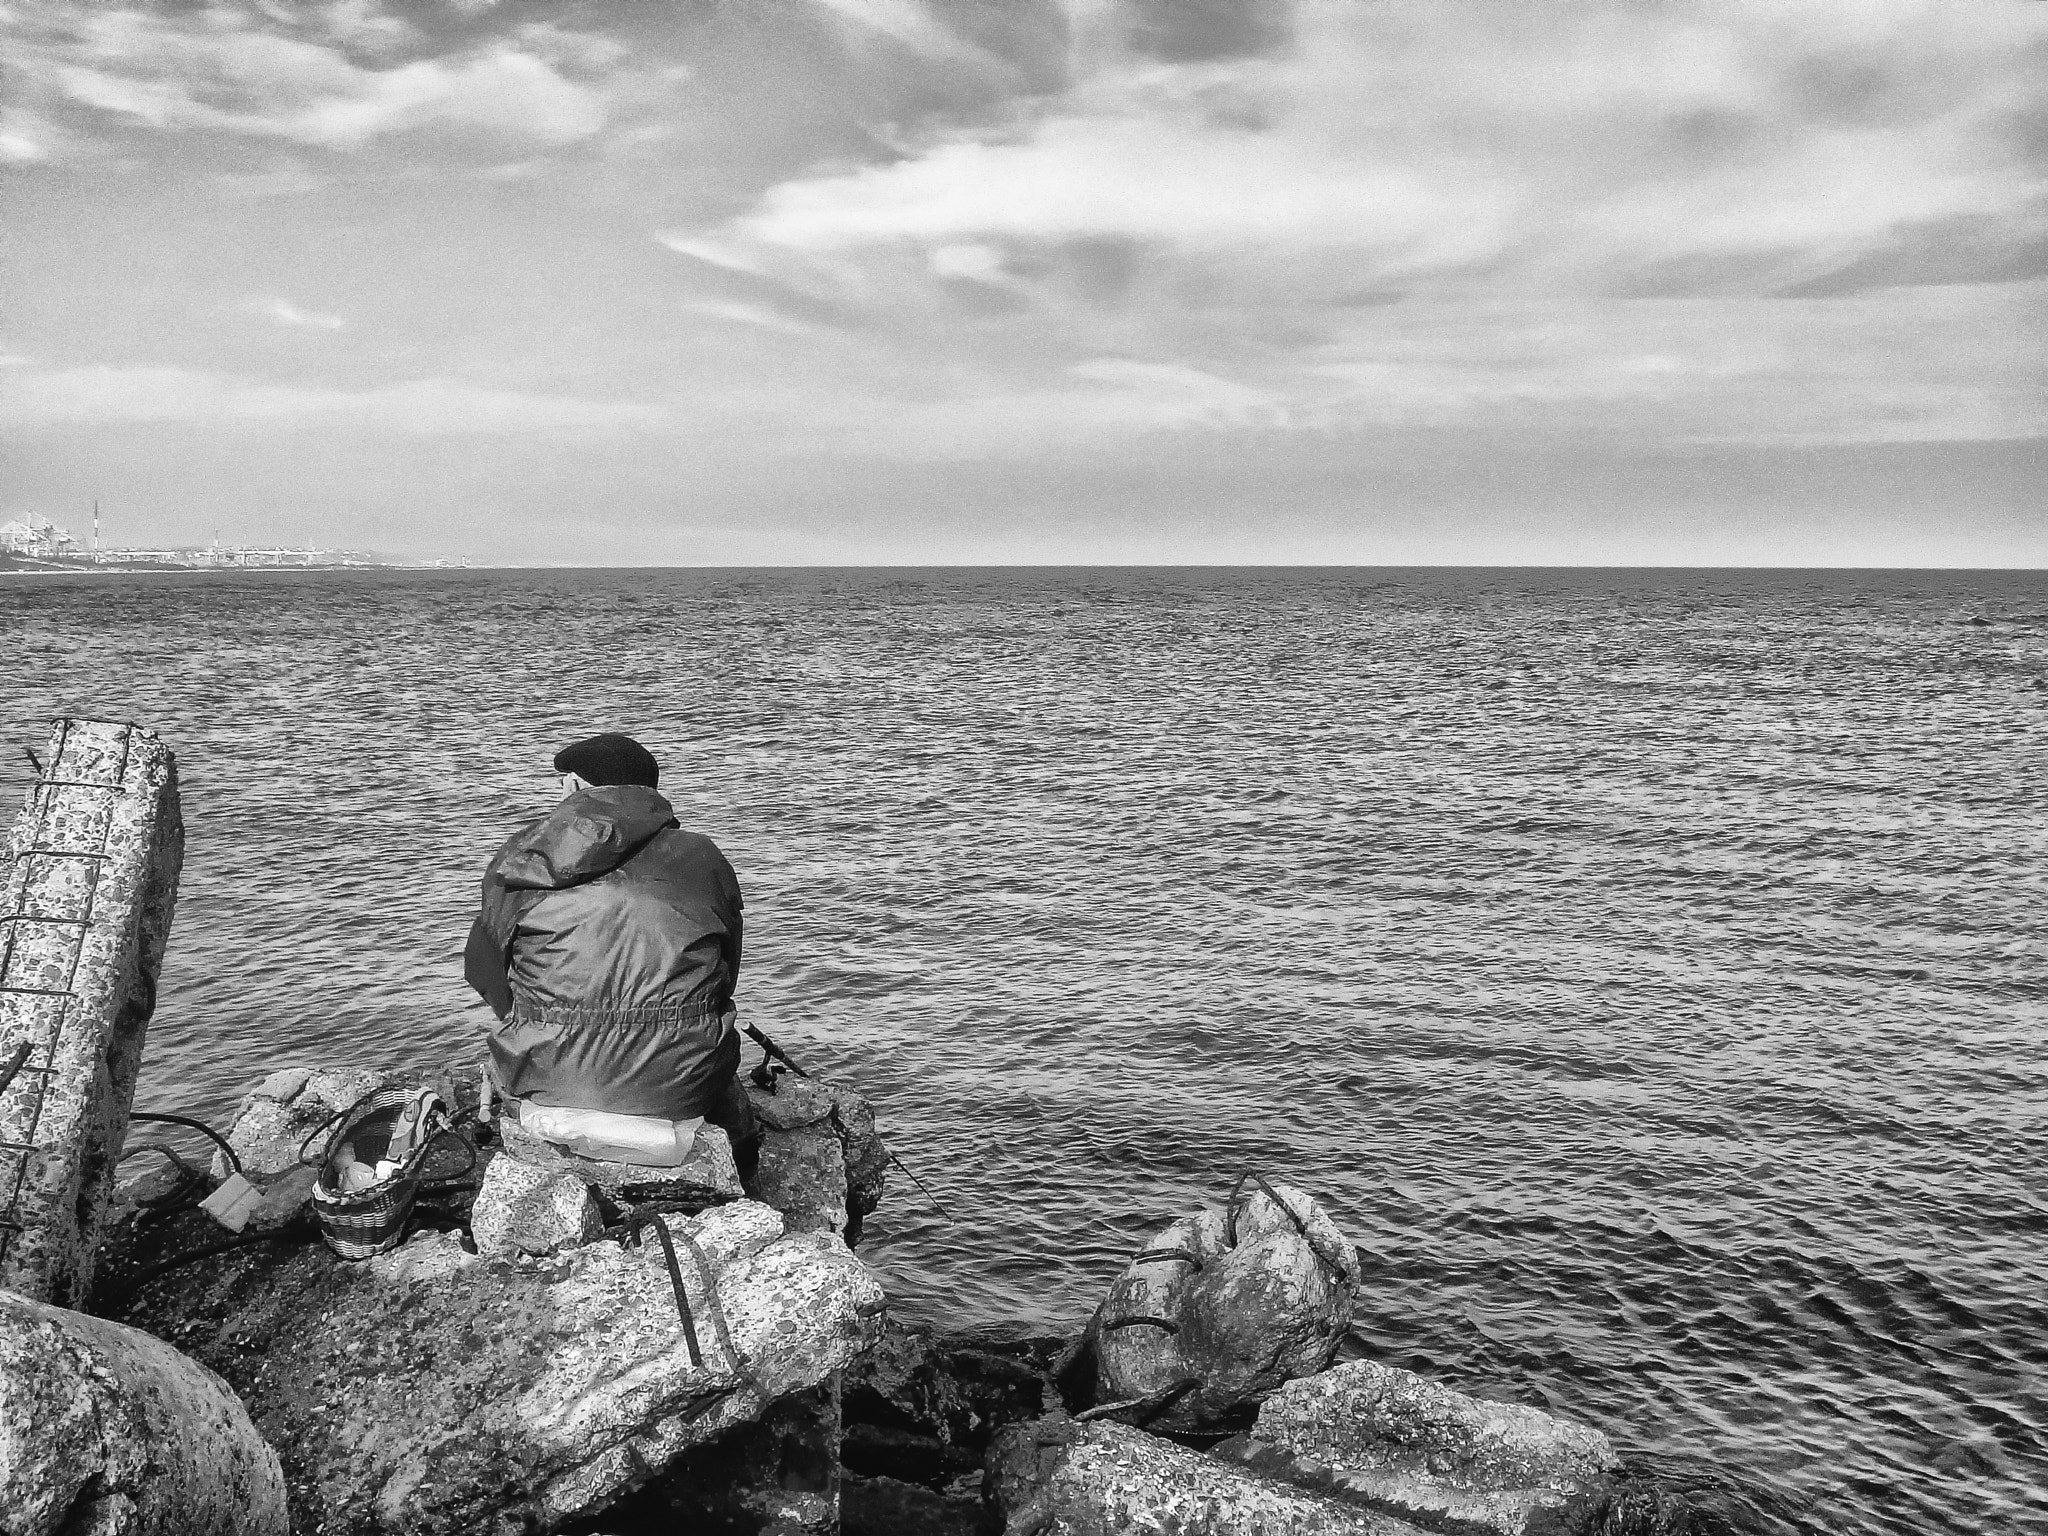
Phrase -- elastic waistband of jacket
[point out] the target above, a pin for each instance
(654, 1013)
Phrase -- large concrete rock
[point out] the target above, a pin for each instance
(105, 1431)
(821, 1161)
(431, 1390)
(1061, 1478)
(1222, 1307)
(1458, 1464)
(85, 913)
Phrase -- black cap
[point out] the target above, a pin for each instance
(609, 759)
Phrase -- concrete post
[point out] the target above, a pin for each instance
(104, 1428)
(85, 911)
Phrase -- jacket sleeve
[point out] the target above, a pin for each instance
(735, 927)
(483, 967)
(485, 956)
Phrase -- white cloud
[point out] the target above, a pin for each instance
(285, 312)
(431, 407)
(1173, 396)
(972, 260)
(1142, 180)
(1470, 144)
(25, 137)
(223, 71)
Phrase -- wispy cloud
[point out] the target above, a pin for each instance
(25, 137)
(760, 316)
(285, 312)
(431, 407)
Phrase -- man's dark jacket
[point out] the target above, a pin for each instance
(608, 946)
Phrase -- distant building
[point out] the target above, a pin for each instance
(37, 537)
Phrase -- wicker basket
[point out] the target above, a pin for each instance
(369, 1221)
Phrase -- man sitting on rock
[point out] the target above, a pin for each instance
(609, 947)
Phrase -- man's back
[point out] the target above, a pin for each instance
(609, 947)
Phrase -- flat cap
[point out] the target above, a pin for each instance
(609, 759)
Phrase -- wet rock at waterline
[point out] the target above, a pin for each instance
(1222, 1307)
(1407, 1446)
(922, 1410)
(821, 1161)
(432, 1390)
(1057, 1477)
(106, 1431)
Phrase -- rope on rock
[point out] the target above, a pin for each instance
(713, 1305)
(190, 1178)
(629, 1236)
(1230, 1223)
(1148, 1406)
(631, 1239)
(1170, 1255)
(234, 1162)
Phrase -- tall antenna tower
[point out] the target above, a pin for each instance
(95, 530)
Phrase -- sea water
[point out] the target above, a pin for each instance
(1649, 970)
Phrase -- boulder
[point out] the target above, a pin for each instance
(1407, 1446)
(1060, 1477)
(87, 893)
(802, 1173)
(521, 1208)
(821, 1161)
(432, 1390)
(106, 1431)
(1223, 1307)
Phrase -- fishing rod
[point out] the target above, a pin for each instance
(775, 1052)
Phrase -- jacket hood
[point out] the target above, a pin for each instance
(589, 834)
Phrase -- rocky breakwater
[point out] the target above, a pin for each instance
(533, 1352)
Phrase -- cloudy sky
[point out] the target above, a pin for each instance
(822, 281)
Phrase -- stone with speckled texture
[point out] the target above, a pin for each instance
(1056, 1477)
(92, 878)
(521, 1208)
(105, 1430)
(1411, 1446)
